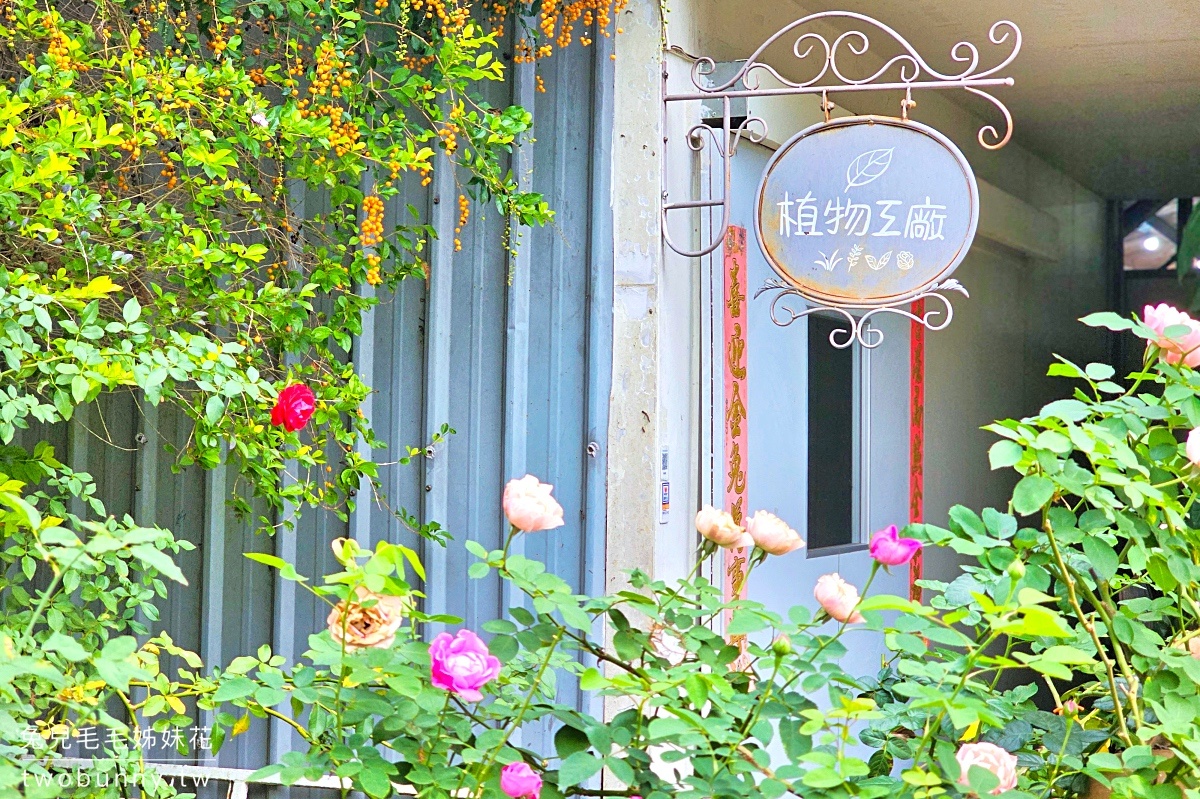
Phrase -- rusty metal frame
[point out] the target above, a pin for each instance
(905, 72)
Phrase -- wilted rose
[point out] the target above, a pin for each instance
(520, 781)
(294, 407)
(529, 505)
(889, 549)
(838, 598)
(990, 758)
(462, 664)
(771, 534)
(360, 627)
(720, 528)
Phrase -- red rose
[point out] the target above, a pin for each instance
(294, 407)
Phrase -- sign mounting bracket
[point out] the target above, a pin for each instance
(830, 62)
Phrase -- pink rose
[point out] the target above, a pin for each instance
(529, 506)
(988, 757)
(519, 781)
(294, 407)
(1193, 447)
(720, 528)
(1194, 647)
(1185, 348)
(462, 664)
(771, 534)
(838, 598)
(890, 549)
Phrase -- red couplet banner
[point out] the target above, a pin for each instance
(737, 433)
(916, 439)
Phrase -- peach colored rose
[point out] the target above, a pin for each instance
(1193, 646)
(371, 627)
(990, 758)
(838, 598)
(1176, 348)
(720, 528)
(529, 506)
(771, 534)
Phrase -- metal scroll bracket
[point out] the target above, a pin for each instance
(859, 316)
(830, 64)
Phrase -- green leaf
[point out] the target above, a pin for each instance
(160, 561)
(592, 680)
(1031, 494)
(568, 741)
(236, 688)
(286, 570)
(1069, 410)
(131, 311)
(697, 689)
(745, 622)
(374, 780)
(66, 646)
(576, 769)
(1004, 453)
(79, 388)
(504, 647)
(1103, 558)
(1109, 320)
(214, 409)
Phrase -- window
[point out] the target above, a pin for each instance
(836, 477)
(1150, 231)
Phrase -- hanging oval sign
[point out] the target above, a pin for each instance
(866, 211)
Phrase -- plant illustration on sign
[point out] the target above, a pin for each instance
(852, 259)
(828, 262)
(905, 261)
(868, 167)
(881, 262)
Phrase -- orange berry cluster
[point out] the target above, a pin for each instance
(374, 278)
(168, 171)
(372, 224)
(558, 21)
(448, 133)
(329, 76)
(449, 14)
(343, 130)
(464, 213)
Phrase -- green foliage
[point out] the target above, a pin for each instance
(153, 238)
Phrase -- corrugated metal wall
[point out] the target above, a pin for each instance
(521, 371)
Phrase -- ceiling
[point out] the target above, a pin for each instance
(1106, 90)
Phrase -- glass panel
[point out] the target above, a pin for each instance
(831, 440)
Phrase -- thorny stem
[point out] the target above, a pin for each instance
(516, 722)
(1088, 625)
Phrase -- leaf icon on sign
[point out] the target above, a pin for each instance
(868, 167)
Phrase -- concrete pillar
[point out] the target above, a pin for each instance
(633, 499)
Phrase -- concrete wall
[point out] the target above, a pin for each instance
(1038, 265)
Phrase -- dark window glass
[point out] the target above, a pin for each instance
(830, 436)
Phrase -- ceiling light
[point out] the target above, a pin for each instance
(1152, 243)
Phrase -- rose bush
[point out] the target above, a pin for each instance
(153, 248)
